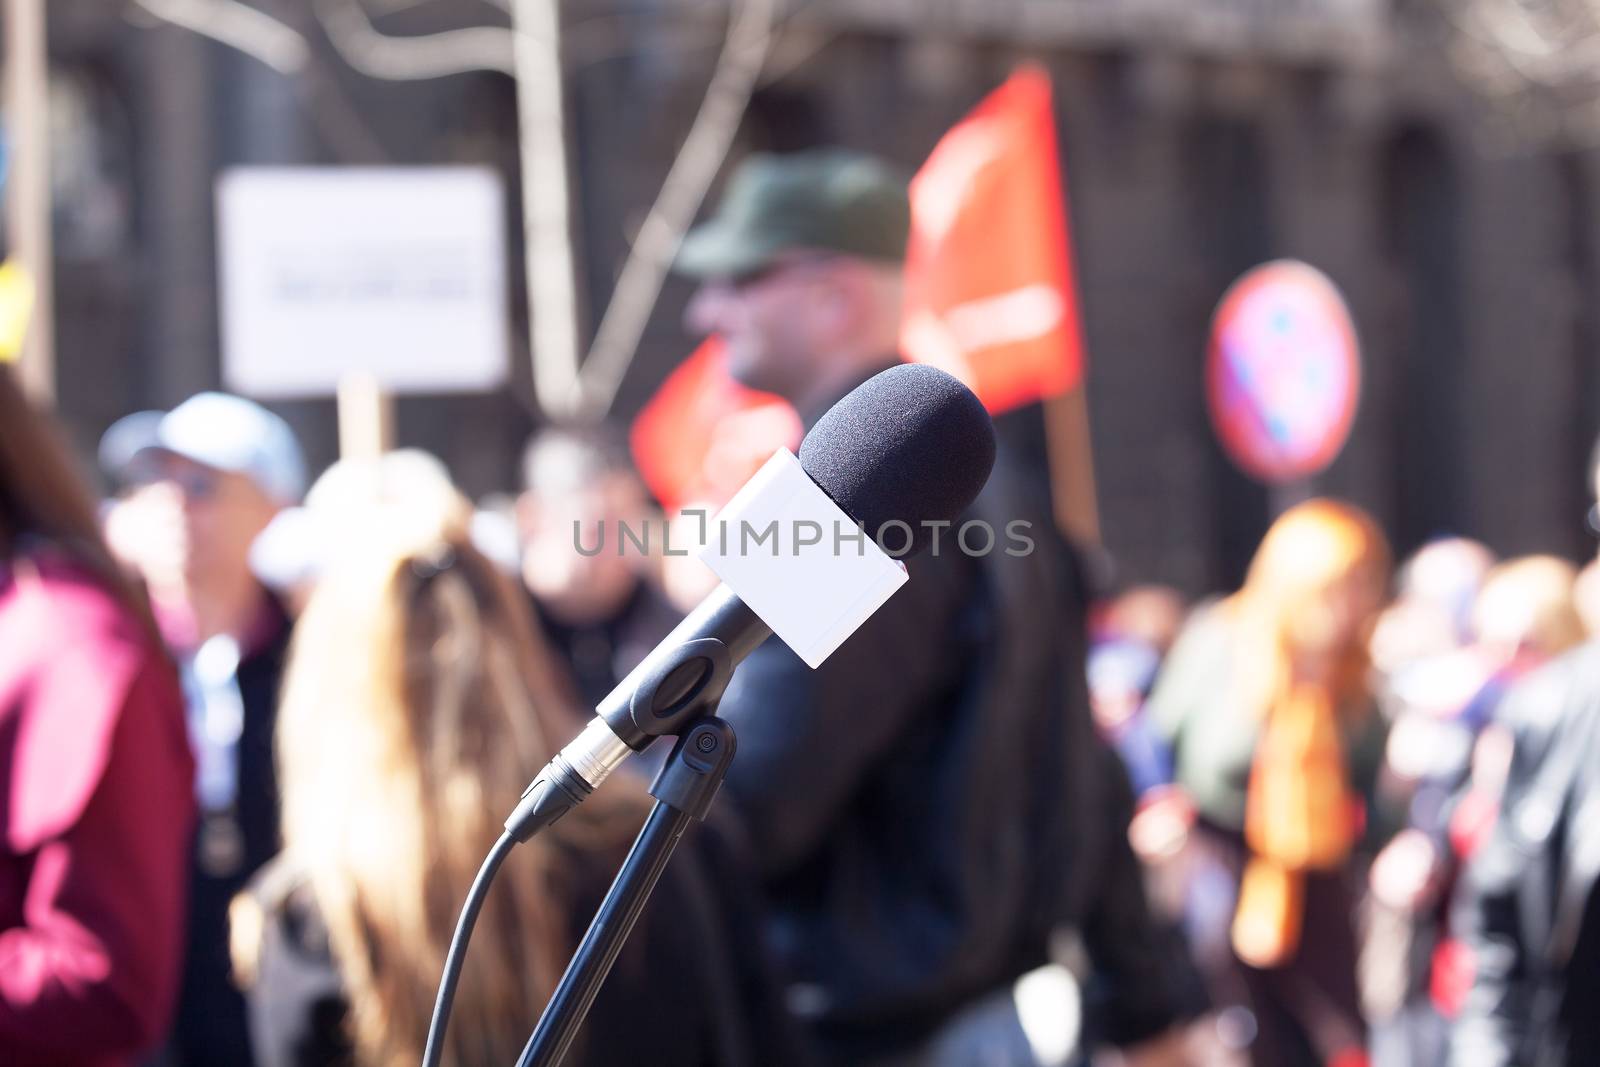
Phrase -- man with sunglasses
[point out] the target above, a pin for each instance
(930, 806)
(198, 485)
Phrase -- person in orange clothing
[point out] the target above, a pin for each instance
(96, 777)
(1276, 741)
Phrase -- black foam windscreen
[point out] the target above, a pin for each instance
(910, 445)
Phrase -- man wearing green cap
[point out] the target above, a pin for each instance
(923, 813)
(801, 274)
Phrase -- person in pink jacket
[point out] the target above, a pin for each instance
(96, 777)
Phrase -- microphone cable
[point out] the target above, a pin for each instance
(551, 795)
(458, 948)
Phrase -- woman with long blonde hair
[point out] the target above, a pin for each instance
(1267, 703)
(416, 706)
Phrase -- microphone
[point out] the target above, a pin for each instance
(905, 452)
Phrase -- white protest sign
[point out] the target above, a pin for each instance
(394, 272)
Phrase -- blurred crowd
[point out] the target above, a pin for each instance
(1323, 909)
(257, 734)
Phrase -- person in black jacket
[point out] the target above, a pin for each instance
(929, 806)
(416, 705)
(599, 609)
(1529, 912)
(1527, 909)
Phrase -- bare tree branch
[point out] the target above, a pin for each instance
(281, 47)
(434, 55)
(393, 7)
(704, 149)
(344, 129)
(1549, 45)
(799, 57)
(1538, 60)
(349, 27)
(546, 206)
(239, 26)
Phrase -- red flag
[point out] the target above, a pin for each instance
(703, 434)
(990, 295)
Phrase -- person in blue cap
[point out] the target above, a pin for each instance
(200, 483)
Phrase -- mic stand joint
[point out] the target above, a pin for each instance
(684, 791)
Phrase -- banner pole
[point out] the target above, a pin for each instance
(1070, 455)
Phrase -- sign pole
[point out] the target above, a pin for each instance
(1285, 495)
(366, 417)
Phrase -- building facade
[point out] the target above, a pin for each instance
(1200, 137)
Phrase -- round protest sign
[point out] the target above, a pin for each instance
(1283, 373)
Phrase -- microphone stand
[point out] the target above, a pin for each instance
(684, 791)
